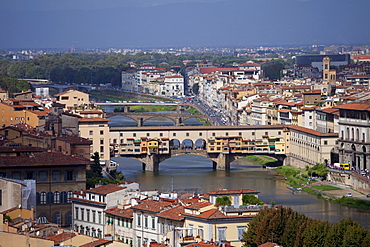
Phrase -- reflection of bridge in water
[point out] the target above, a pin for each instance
(221, 144)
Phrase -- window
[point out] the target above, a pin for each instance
(200, 232)
(160, 134)
(70, 175)
(43, 198)
(91, 132)
(147, 134)
(325, 142)
(227, 133)
(69, 196)
(56, 175)
(146, 221)
(87, 215)
(16, 175)
(102, 132)
(43, 176)
(221, 234)
(241, 230)
(187, 134)
(82, 214)
(138, 220)
(63, 197)
(153, 223)
(76, 213)
(174, 134)
(190, 232)
(29, 175)
(266, 133)
(101, 148)
(102, 141)
(253, 133)
(99, 217)
(56, 197)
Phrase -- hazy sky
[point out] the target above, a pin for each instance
(178, 23)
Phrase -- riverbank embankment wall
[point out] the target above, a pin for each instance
(349, 178)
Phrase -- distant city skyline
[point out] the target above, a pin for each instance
(180, 23)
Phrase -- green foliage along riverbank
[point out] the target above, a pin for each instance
(285, 227)
(262, 160)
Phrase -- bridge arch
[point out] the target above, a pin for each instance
(174, 144)
(159, 119)
(187, 144)
(200, 144)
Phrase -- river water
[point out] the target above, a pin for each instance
(195, 173)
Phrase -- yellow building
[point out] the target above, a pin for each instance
(97, 130)
(3, 94)
(73, 98)
(13, 112)
(206, 222)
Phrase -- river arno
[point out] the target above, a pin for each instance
(196, 173)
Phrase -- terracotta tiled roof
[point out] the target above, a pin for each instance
(212, 214)
(43, 159)
(27, 92)
(197, 205)
(93, 119)
(74, 139)
(318, 91)
(124, 213)
(284, 110)
(228, 192)
(106, 189)
(174, 213)
(91, 112)
(99, 242)
(211, 70)
(312, 132)
(152, 206)
(354, 106)
(59, 238)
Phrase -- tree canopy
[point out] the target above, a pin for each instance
(288, 228)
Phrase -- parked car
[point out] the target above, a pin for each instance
(348, 194)
(368, 195)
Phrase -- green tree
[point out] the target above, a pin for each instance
(95, 169)
(223, 201)
(196, 88)
(251, 199)
(315, 233)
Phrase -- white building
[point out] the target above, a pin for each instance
(173, 86)
(89, 205)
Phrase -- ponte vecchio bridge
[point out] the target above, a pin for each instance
(221, 144)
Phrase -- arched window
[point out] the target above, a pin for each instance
(56, 197)
(49, 198)
(363, 137)
(69, 196)
(357, 134)
(82, 230)
(348, 137)
(63, 197)
(352, 134)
